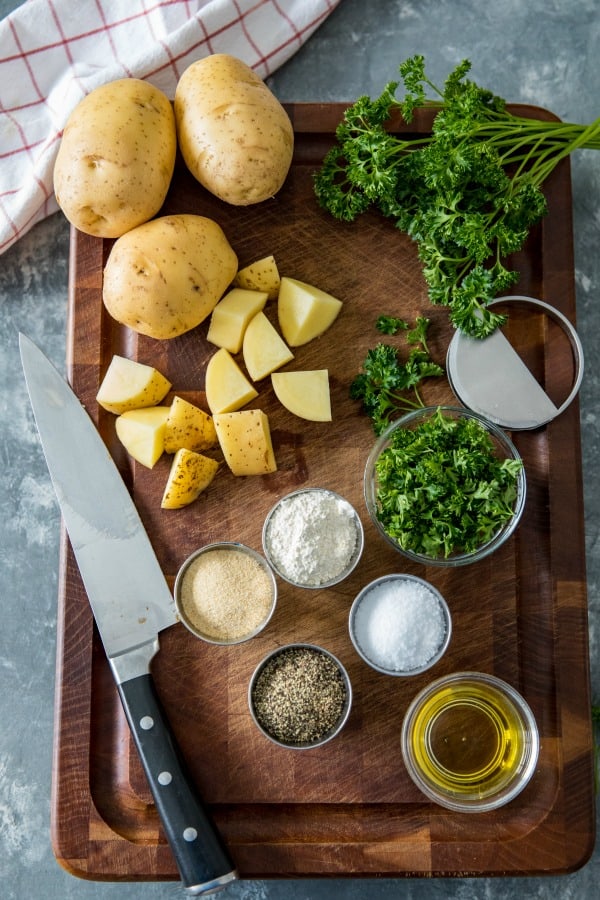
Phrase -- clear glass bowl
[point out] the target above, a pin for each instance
(470, 742)
(504, 448)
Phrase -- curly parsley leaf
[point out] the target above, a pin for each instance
(468, 194)
(387, 386)
(442, 489)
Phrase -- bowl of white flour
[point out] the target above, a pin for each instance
(313, 538)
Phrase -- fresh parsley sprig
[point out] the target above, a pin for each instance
(386, 385)
(468, 194)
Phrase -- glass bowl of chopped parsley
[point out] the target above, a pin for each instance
(445, 486)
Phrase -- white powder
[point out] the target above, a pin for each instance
(399, 625)
(311, 537)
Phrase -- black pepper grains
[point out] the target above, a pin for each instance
(299, 695)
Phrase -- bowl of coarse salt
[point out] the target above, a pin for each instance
(400, 625)
(313, 538)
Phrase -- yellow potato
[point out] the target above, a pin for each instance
(245, 439)
(188, 427)
(142, 433)
(234, 135)
(263, 349)
(190, 474)
(305, 394)
(227, 388)
(116, 158)
(231, 315)
(166, 276)
(261, 275)
(304, 311)
(128, 384)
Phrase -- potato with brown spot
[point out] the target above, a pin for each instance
(116, 158)
(166, 276)
(234, 135)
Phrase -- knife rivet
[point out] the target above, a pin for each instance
(190, 834)
(146, 722)
(165, 778)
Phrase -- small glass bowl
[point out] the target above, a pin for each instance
(470, 742)
(346, 706)
(363, 609)
(504, 448)
(347, 511)
(224, 547)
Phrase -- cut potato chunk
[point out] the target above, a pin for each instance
(263, 349)
(142, 433)
(304, 311)
(188, 427)
(262, 275)
(227, 388)
(231, 316)
(128, 384)
(190, 474)
(305, 394)
(245, 439)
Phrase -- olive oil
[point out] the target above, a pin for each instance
(469, 740)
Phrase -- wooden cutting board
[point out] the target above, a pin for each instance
(348, 808)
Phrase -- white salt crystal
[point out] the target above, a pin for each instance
(399, 625)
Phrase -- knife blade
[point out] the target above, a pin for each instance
(131, 602)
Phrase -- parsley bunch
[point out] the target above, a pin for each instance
(468, 194)
(386, 385)
(441, 488)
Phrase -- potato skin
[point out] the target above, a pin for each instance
(116, 158)
(166, 276)
(234, 135)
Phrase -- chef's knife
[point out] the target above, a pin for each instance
(131, 603)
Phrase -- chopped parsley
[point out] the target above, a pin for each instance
(441, 488)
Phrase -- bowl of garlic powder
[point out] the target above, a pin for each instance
(313, 538)
(225, 593)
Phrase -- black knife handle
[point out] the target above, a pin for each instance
(201, 857)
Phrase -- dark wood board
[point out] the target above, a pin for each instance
(348, 808)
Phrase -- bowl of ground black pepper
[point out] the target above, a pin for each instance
(313, 538)
(225, 593)
(300, 696)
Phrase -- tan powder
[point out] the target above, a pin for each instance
(226, 594)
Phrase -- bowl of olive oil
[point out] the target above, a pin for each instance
(470, 742)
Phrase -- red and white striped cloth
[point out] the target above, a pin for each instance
(53, 52)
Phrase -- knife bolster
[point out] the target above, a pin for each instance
(134, 662)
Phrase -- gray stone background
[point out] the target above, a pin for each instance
(543, 52)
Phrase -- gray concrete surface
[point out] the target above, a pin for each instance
(535, 51)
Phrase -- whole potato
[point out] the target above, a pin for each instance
(234, 135)
(116, 158)
(166, 276)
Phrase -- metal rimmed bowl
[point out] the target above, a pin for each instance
(300, 696)
(321, 557)
(503, 448)
(400, 625)
(470, 742)
(212, 593)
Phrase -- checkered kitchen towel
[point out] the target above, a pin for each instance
(53, 52)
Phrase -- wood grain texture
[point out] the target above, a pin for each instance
(348, 808)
